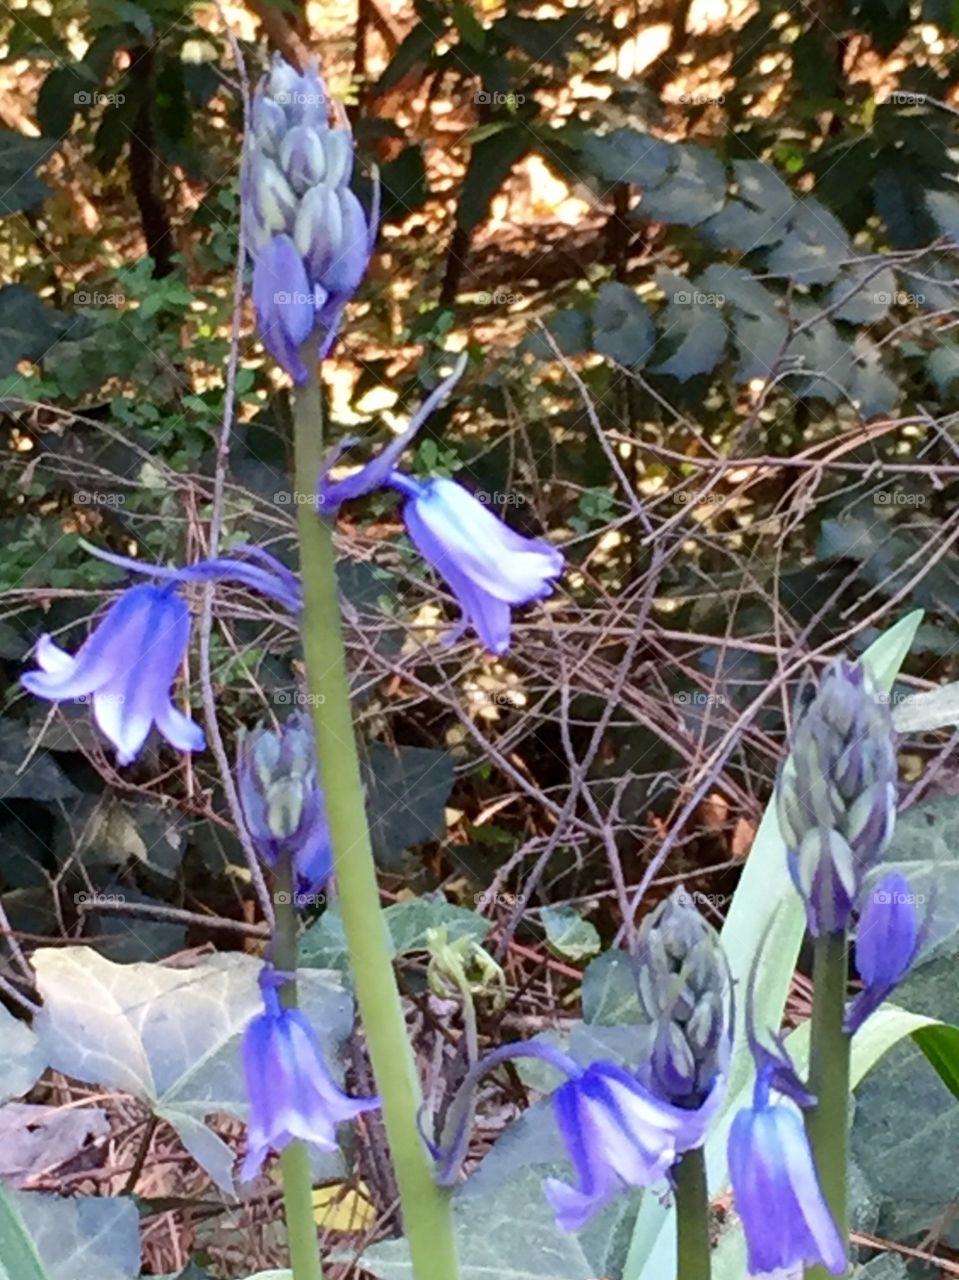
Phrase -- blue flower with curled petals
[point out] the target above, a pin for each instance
(785, 1218)
(889, 935)
(290, 1090)
(127, 666)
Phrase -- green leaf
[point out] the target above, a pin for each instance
(759, 218)
(693, 324)
(693, 190)
(924, 711)
(626, 155)
(868, 293)
(945, 213)
(814, 248)
(571, 330)
(609, 991)
(943, 366)
(489, 166)
(86, 1238)
(409, 921)
(21, 1058)
(623, 329)
(940, 1044)
(19, 1259)
(169, 1036)
(406, 795)
(415, 49)
(20, 188)
(27, 331)
(568, 934)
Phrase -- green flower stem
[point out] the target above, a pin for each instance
(294, 1160)
(827, 1123)
(427, 1215)
(693, 1254)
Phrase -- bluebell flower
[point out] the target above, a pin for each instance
(308, 234)
(618, 1135)
(290, 1090)
(489, 568)
(126, 666)
(129, 661)
(785, 1218)
(282, 800)
(888, 938)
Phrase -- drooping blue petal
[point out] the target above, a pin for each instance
(888, 938)
(283, 301)
(290, 1090)
(127, 665)
(502, 563)
(618, 1134)
(785, 1218)
(376, 474)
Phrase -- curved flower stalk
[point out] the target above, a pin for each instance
(289, 1087)
(489, 568)
(836, 795)
(282, 801)
(309, 237)
(889, 935)
(128, 663)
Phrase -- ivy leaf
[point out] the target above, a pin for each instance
(406, 795)
(626, 155)
(568, 934)
(759, 217)
(59, 1238)
(694, 188)
(867, 293)
(609, 991)
(814, 248)
(945, 213)
(20, 188)
(943, 366)
(693, 324)
(169, 1036)
(623, 329)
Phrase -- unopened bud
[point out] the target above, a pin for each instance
(836, 795)
(683, 986)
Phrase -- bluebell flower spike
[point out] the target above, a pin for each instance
(127, 666)
(290, 1090)
(889, 936)
(785, 1218)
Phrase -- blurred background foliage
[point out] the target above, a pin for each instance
(703, 259)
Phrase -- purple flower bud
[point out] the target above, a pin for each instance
(127, 665)
(888, 937)
(284, 304)
(618, 1135)
(836, 795)
(296, 195)
(289, 1086)
(282, 800)
(785, 1218)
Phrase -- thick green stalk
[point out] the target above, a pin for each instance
(693, 1253)
(427, 1216)
(294, 1160)
(827, 1123)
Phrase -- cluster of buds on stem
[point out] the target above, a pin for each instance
(307, 231)
(684, 989)
(282, 802)
(836, 795)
